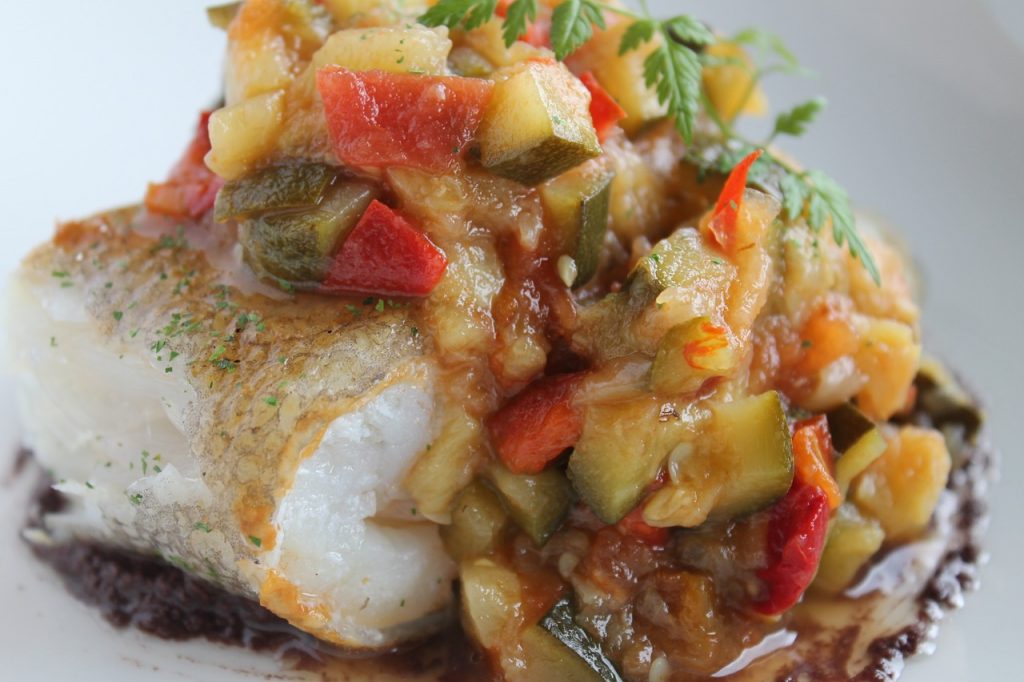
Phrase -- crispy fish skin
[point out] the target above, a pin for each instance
(177, 411)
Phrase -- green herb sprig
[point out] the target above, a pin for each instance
(673, 70)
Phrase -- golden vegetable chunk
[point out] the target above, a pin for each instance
(241, 134)
(537, 124)
(415, 49)
(901, 488)
(689, 355)
(545, 658)
(889, 356)
(852, 541)
(491, 598)
(732, 88)
(537, 503)
(478, 520)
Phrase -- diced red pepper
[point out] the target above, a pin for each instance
(727, 208)
(537, 425)
(191, 188)
(812, 452)
(604, 110)
(796, 538)
(385, 255)
(633, 524)
(376, 118)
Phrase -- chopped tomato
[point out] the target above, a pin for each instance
(727, 208)
(376, 118)
(385, 255)
(604, 110)
(796, 539)
(537, 425)
(812, 451)
(191, 188)
(633, 524)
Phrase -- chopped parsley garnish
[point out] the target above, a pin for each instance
(135, 499)
(203, 526)
(118, 315)
(270, 400)
(255, 540)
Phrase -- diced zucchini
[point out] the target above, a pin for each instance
(690, 354)
(944, 400)
(621, 74)
(750, 438)
(852, 541)
(274, 189)
(220, 16)
(544, 658)
(576, 203)
(491, 602)
(537, 503)
(617, 457)
(857, 440)
(561, 624)
(537, 124)
(478, 522)
(297, 246)
(683, 259)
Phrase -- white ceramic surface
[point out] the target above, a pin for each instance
(924, 129)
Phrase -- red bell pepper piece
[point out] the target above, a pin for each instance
(604, 110)
(796, 538)
(385, 255)
(727, 208)
(537, 425)
(633, 524)
(376, 118)
(191, 188)
(812, 452)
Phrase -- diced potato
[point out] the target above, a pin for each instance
(889, 356)
(901, 488)
(487, 40)
(852, 541)
(478, 521)
(343, 10)
(621, 75)
(415, 49)
(257, 65)
(242, 134)
(491, 598)
(731, 87)
(446, 466)
(537, 124)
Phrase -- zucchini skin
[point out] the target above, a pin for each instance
(560, 622)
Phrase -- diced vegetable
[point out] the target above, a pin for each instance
(796, 538)
(889, 356)
(537, 503)
(576, 203)
(242, 134)
(812, 453)
(544, 657)
(732, 87)
(384, 255)
(478, 523)
(944, 400)
(190, 190)
(537, 425)
(618, 455)
(561, 624)
(605, 112)
(857, 440)
(412, 49)
(220, 16)
(622, 75)
(723, 224)
(852, 541)
(343, 10)
(750, 439)
(633, 524)
(377, 118)
(537, 124)
(690, 354)
(902, 487)
(682, 260)
(447, 466)
(491, 598)
(297, 247)
(274, 189)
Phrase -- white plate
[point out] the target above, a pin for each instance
(924, 128)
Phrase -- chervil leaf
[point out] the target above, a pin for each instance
(794, 196)
(795, 121)
(467, 14)
(572, 24)
(769, 42)
(519, 15)
(688, 31)
(673, 71)
(829, 202)
(638, 33)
